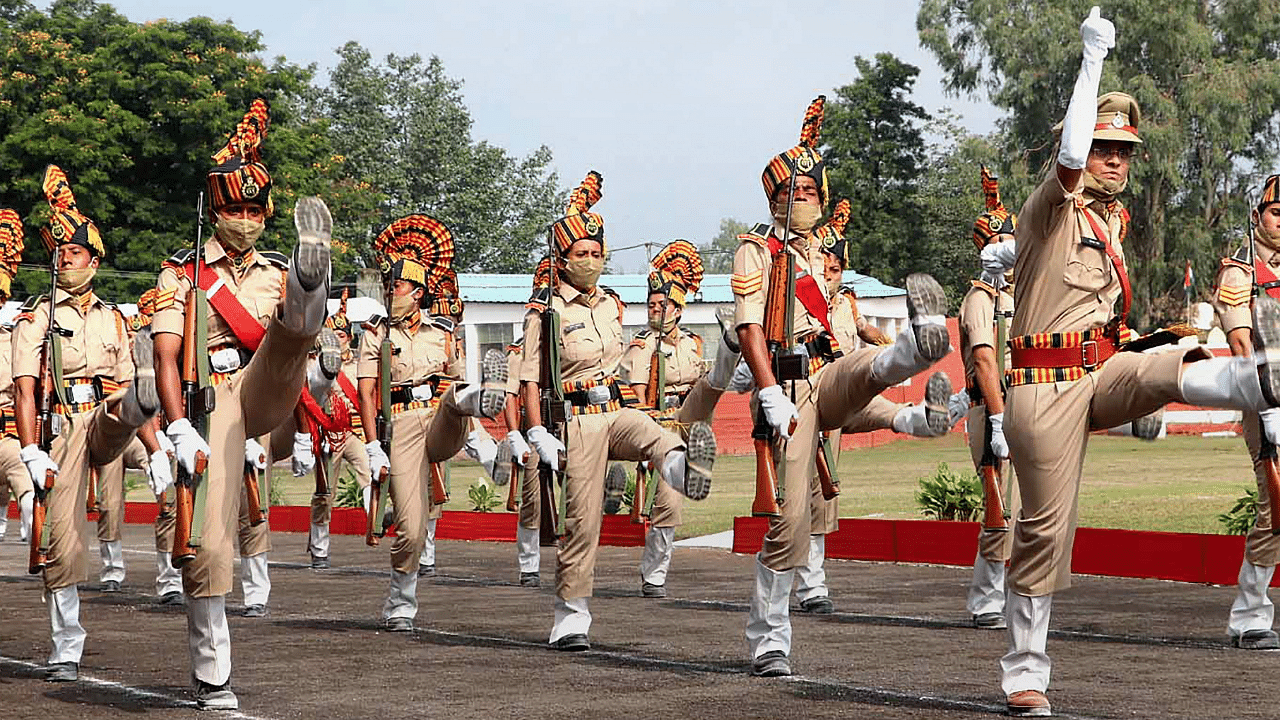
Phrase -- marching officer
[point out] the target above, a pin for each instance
(13, 474)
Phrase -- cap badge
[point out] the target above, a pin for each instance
(593, 227)
(57, 231)
(804, 163)
(1117, 121)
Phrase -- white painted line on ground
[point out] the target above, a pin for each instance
(129, 691)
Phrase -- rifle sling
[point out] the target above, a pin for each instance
(807, 291)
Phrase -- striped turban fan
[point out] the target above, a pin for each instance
(416, 248)
(803, 158)
(1270, 192)
(831, 233)
(677, 272)
(11, 244)
(579, 223)
(240, 176)
(997, 220)
(339, 320)
(446, 298)
(66, 223)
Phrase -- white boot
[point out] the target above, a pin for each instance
(572, 618)
(481, 448)
(811, 578)
(768, 620)
(1252, 609)
(912, 420)
(26, 508)
(1026, 666)
(1224, 382)
(656, 558)
(402, 596)
(64, 623)
(112, 553)
(986, 590)
(318, 540)
(168, 578)
(367, 494)
(209, 639)
(307, 283)
(255, 580)
(528, 553)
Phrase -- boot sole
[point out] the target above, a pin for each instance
(615, 485)
(144, 374)
(314, 224)
(925, 297)
(493, 379)
(1266, 345)
(330, 353)
(700, 456)
(937, 394)
(1147, 427)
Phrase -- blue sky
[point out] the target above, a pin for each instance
(678, 104)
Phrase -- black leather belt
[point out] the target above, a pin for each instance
(403, 394)
(597, 395)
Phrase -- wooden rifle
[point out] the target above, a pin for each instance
(992, 471)
(198, 399)
(48, 424)
(439, 491)
(377, 488)
(827, 478)
(91, 499)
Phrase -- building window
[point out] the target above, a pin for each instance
(496, 336)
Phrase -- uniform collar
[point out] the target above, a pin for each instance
(571, 293)
(214, 251)
(803, 241)
(83, 302)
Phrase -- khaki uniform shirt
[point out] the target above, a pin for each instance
(844, 321)
(978, 323)
(1233, 291)
(418, 352)
(1063, 284)
(590, 337)
(98, 345)
(683, 364)
(256, 279)
(750, 281)
(6, 369)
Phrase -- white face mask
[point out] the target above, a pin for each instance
(239, 234)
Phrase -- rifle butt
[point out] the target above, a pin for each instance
(184, 511)
(38, 557)
(91, 499)
(765, 503)
(439, 492)
(373, 515)
(1272, 467)
(638, 496)
(253, 493)
(993, 517)
(547, 516)
(826, 480)
(513, 488)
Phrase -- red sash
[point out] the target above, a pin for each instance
(807, 290)
(1116, 262)
(246, 327)
(1265, 279)
(318, 417)
(349, 390)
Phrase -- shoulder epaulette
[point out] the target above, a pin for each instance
(444, 323)
(692, 334)
(180, 258)
(643, 334)
(539, 299)
(32, 302)
(275, 258)
(988, 289)
(846, 290)
(1239, 259)
(609, 291)
(373, 322)
(758, 234)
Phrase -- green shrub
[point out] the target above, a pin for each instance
(349, 493)
(1239, 519)
(483, 497)
(950, 496)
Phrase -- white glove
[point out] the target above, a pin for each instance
(186, 443)
(743, 381)
(998, 257)
(1270, 425)
(38, 463)
(547, 446)
(519, 448)
(304, 456)
(159, 474)
(999, 445)
(779, 411)
(378, 460)
(255, 454)
(1099, 36)
(165, 443)
(957, 407)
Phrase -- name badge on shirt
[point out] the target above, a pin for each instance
(576, 326)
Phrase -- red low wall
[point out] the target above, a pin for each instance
(1184, 557)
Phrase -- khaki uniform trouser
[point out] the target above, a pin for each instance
(94, 437)
(833, 398)
(111, 493)
(1047, 426)
(699, 406)
(877, 415)
(993, 545)
(13, 474)
(418, 438)
(1260, 546)
(594, 439)
(250, 403)
(350, 452)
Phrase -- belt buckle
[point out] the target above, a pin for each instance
(599, 394)
(225, 360)
(81, 394)
(1084, 354)
(421, 393)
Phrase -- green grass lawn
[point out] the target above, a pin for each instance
(1178, 484)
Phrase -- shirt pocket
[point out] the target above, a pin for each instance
(581, 343)
(1087, 266)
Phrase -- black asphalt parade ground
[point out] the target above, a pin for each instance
(897, 647)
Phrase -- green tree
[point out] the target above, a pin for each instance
(401, 125)
(132, 112)
(874, 148)
(1207, 76)
(717, 255)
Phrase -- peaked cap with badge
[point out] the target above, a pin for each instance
(677, 272)
(240, 176)
(579, 223)
(803, 158)
(66, 223)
